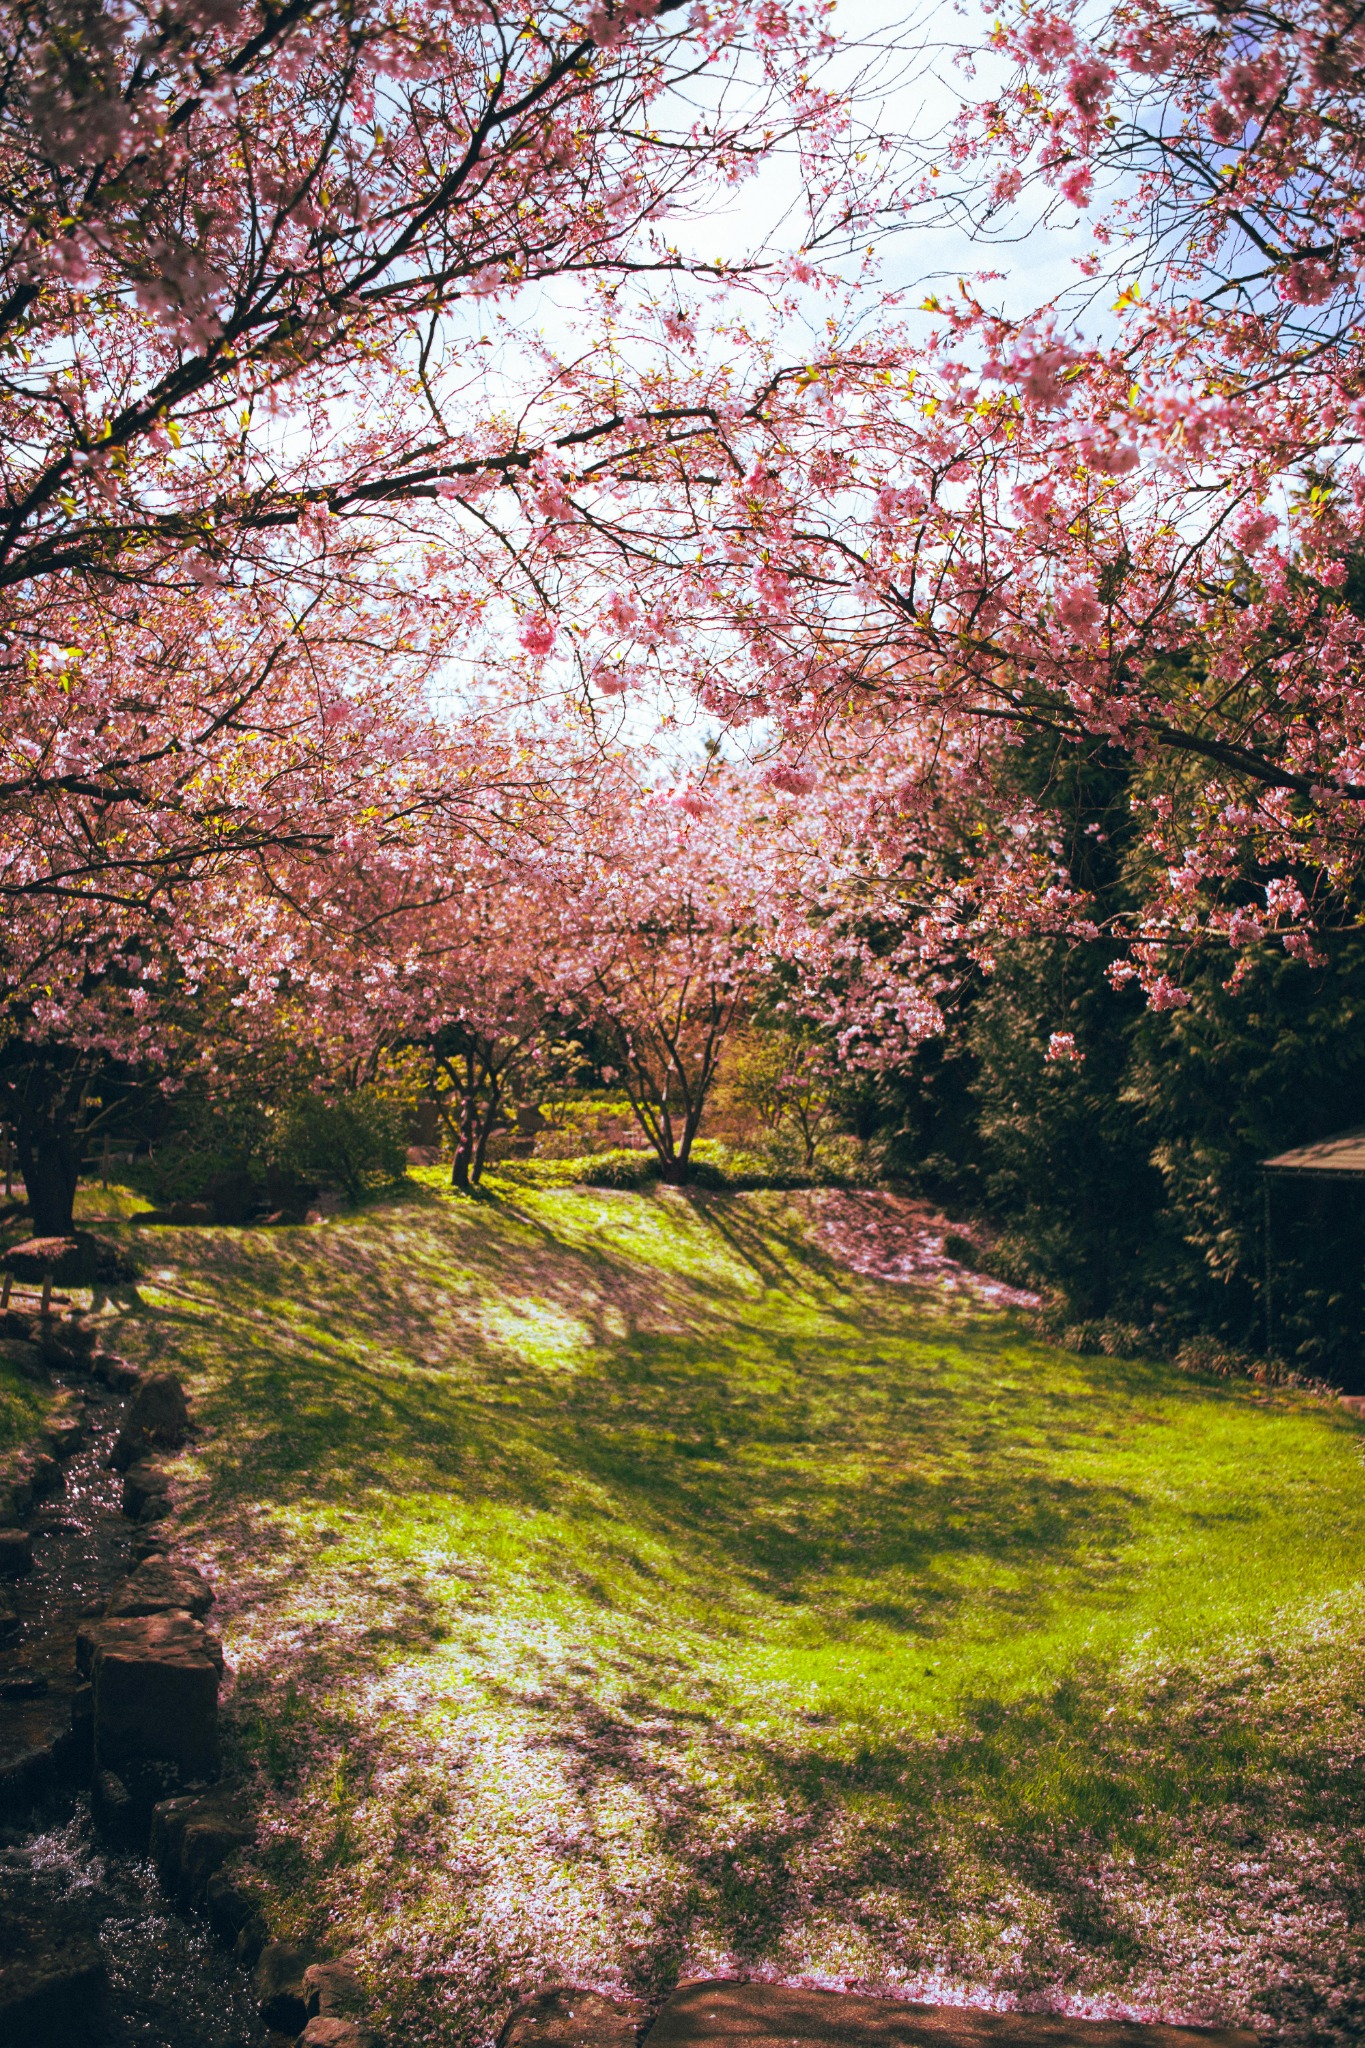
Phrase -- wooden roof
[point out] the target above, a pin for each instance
(1342, 1154)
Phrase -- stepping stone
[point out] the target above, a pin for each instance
(159, 1587)
(156, 1692)
(118, 1374)
(772, 2016)
(568, 2018)
(158, 1418)
(146, 1492)
(64, 1435)
(333, 1991)
(326, 2032)
(192, 1837)
(277, 1981)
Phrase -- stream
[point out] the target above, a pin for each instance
(167, 1982)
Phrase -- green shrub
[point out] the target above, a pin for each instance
(354, 1142)
(215, 1152)
(240, 1153)
(620, 1169)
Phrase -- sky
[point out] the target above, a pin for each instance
(906, 85)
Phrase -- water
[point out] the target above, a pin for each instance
(169, 1985)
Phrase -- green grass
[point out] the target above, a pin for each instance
(22, 1407)
(617, 1587)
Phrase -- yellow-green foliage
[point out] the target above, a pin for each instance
(620, 1585)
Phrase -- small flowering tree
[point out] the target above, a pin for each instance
(689, 905)
(667, 921)
(786, 1078)
(485, 980)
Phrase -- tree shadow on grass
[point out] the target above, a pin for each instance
(824, 1442)
(762, 1447)
(690, 1440)
(1057, 1796)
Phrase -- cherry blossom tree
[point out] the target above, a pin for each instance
(968, 534)
(479, 987)
(695, 905)
(671, 912)
(155, 922)
(251, 262)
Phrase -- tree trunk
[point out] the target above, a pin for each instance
(485, 1129)
(50, 1159)
(463, 1157)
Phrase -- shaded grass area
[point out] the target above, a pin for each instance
(620, 1588)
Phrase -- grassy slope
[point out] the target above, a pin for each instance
(620, 1587)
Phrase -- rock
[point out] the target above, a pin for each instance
(568, 2018)
(23, 1685)
(66, 1345)
(144, 1484)
(158, 1419)
(159, 1587)
(335, 2033)
(45, 1475)
(64, 1436)
(191, 1838)
(16, 1553)
(9, 1618)
(117, 1373)
(113, 1808)
(23, 1358)
(156, 1692)
(277, 1981)
(333, 1990)
(228, 1906)
(16, 1497)
(82, 1742)
(208, 1842)
(52, 1981)
(725, 2013)
(28, 1772)
(66, 1261)
(252, 1938)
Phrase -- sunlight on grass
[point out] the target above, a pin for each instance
(617, 1585)
(22, 1406)
(97, 1203)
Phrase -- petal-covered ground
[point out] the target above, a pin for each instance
(621, 1586)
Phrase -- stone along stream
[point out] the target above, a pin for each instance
(73, 1908)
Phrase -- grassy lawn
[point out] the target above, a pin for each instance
(617, 1587)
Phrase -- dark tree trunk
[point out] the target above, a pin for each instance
(50, 1159)
(463, 1157)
